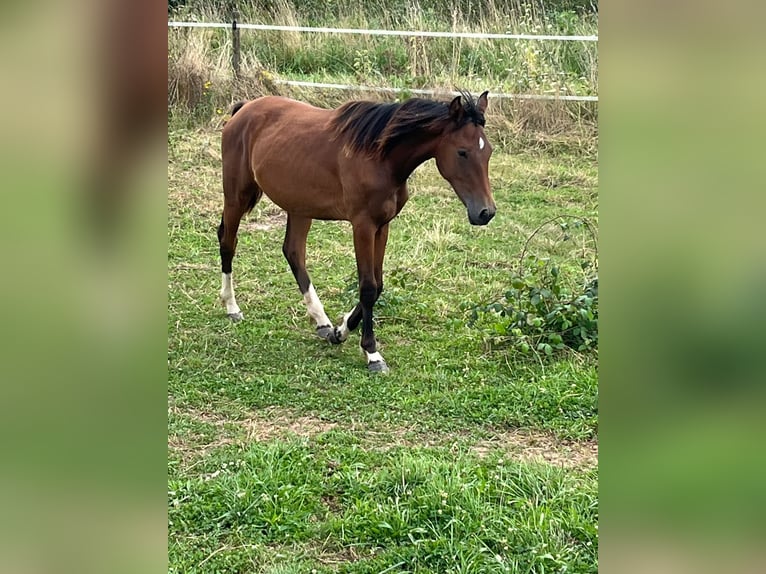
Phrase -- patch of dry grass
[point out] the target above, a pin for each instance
(275, 424)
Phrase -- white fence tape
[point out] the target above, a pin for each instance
(431, 92)
(413, 33)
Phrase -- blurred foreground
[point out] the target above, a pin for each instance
(82, 410)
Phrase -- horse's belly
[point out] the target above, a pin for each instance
(311, 195)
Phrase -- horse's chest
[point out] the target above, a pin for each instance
(392, 203)
(402, 195)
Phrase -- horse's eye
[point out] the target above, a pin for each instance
(462, 153)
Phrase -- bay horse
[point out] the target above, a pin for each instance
(351, 164)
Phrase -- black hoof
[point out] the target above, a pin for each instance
(334, 337)
(378, 367)
(236, 317)
(329, 333)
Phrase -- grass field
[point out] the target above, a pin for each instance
(287, 456)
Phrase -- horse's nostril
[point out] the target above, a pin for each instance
(485, 215)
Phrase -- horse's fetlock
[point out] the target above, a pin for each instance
(369, 346)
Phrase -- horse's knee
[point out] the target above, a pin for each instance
(368, 293)
(220, 231)
(380, 290)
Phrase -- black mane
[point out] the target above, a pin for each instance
(375, 128)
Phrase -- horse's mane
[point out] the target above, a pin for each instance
(375, 128)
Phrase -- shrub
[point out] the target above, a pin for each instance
(542, 313)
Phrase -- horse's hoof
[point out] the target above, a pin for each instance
(378, 366)
(334, 337)
(236, 317)
(325, 332)
(330, 334)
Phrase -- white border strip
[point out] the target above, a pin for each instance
(416, 33)
(431, 92)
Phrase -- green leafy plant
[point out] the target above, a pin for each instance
(543, 312)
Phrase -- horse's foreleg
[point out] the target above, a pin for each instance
(349, 323)
(294, 249)
(365, 236)
(352, 319)
(381, 238)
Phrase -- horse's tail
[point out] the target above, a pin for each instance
(236, 107)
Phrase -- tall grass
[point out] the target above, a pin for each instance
(201, 86)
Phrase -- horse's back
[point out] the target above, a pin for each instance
(274, 111)
(289, 148)
(278, 121)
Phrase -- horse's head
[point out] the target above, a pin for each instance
(462, 157)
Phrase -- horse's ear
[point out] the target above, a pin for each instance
(456, 109)
(481, 104)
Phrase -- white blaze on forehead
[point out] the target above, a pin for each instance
(481, 142)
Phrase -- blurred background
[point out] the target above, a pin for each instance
(82, 360)
(83, 295)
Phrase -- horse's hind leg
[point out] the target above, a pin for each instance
(233, 210)
(294, 249)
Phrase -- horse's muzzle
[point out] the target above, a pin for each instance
(483, 217)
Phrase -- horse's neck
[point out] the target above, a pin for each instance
(407, 156)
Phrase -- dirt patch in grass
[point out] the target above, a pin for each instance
(325, 553)
(266, 221)
(192, 447)
(553, 180)
(518, 444)
(276, 424)
(266, 426)
(332, 503)
(529, 446)
(342, 556)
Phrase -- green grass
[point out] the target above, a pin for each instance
(331, 505)
(286, 455)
